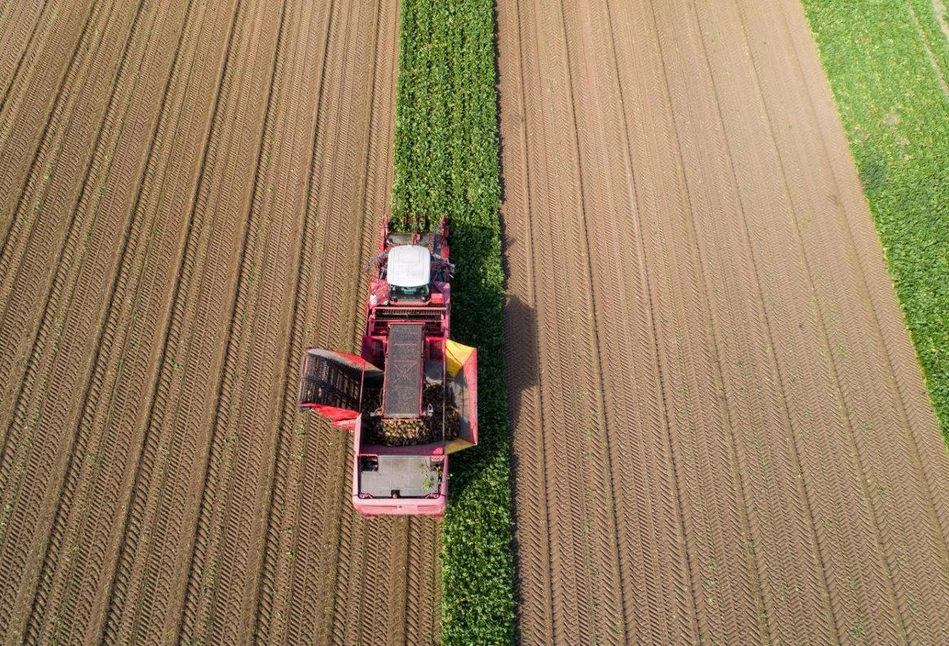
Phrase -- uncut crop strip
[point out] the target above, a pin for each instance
(446, 159)
(748, 347)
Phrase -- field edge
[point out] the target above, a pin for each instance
(885, 64)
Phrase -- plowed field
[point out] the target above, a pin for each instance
(720, 433)
(719, 428)
(189, 190)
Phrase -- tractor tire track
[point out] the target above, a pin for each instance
(220, 149)
(33, 108)
(772, 460)
(799, 614)
(323, 563)
(540, 462)
(93, 516)
(351, 569)
(181, 419)
(353, 562)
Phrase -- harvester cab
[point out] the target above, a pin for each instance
(410, 397)
(409, 272)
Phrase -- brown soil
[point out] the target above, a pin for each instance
(720, 434)
(184, 187)
(719, 428)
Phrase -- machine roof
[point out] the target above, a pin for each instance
(409, 266)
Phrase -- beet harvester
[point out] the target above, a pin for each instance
(411, 397)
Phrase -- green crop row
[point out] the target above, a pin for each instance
(447, 162)
(887, 63)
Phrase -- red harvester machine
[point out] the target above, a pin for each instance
(411, 397)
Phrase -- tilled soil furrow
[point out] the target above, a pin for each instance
(21, 30)
(62, 275)
(355, 560)
(166, 195)
(803, 370)
(900, 356)
(421, 583)
(296, 434)
(611, 257)
(567, 336)
(358, 560)
(531, 514)
(610, 598)
(328, 562)
(388, 603)
(661, 539)
(32, 112)
(697, 418)
(775, 468)
(375, 592)
(599, 203)
(659, 186)
(316, 579)
(693, 415)
(40, 254)
(383, 606)
(37, 448)
(750, 404)
(870, 528)
(177, 136)
(767, 199)
(561, 471)
(175, 452)
(365, 587)
(75, 521)
(565, 331)
(415, 586)
(873, 406)
(707, 172)
(329, 569)
(719, 428)
(227, 540)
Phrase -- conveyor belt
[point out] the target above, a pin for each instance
(403, 381)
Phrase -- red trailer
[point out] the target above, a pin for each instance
(411, 397)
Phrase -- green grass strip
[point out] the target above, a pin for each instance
(883, 60)
(446, 162)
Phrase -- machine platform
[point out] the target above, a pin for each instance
(400, 476)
